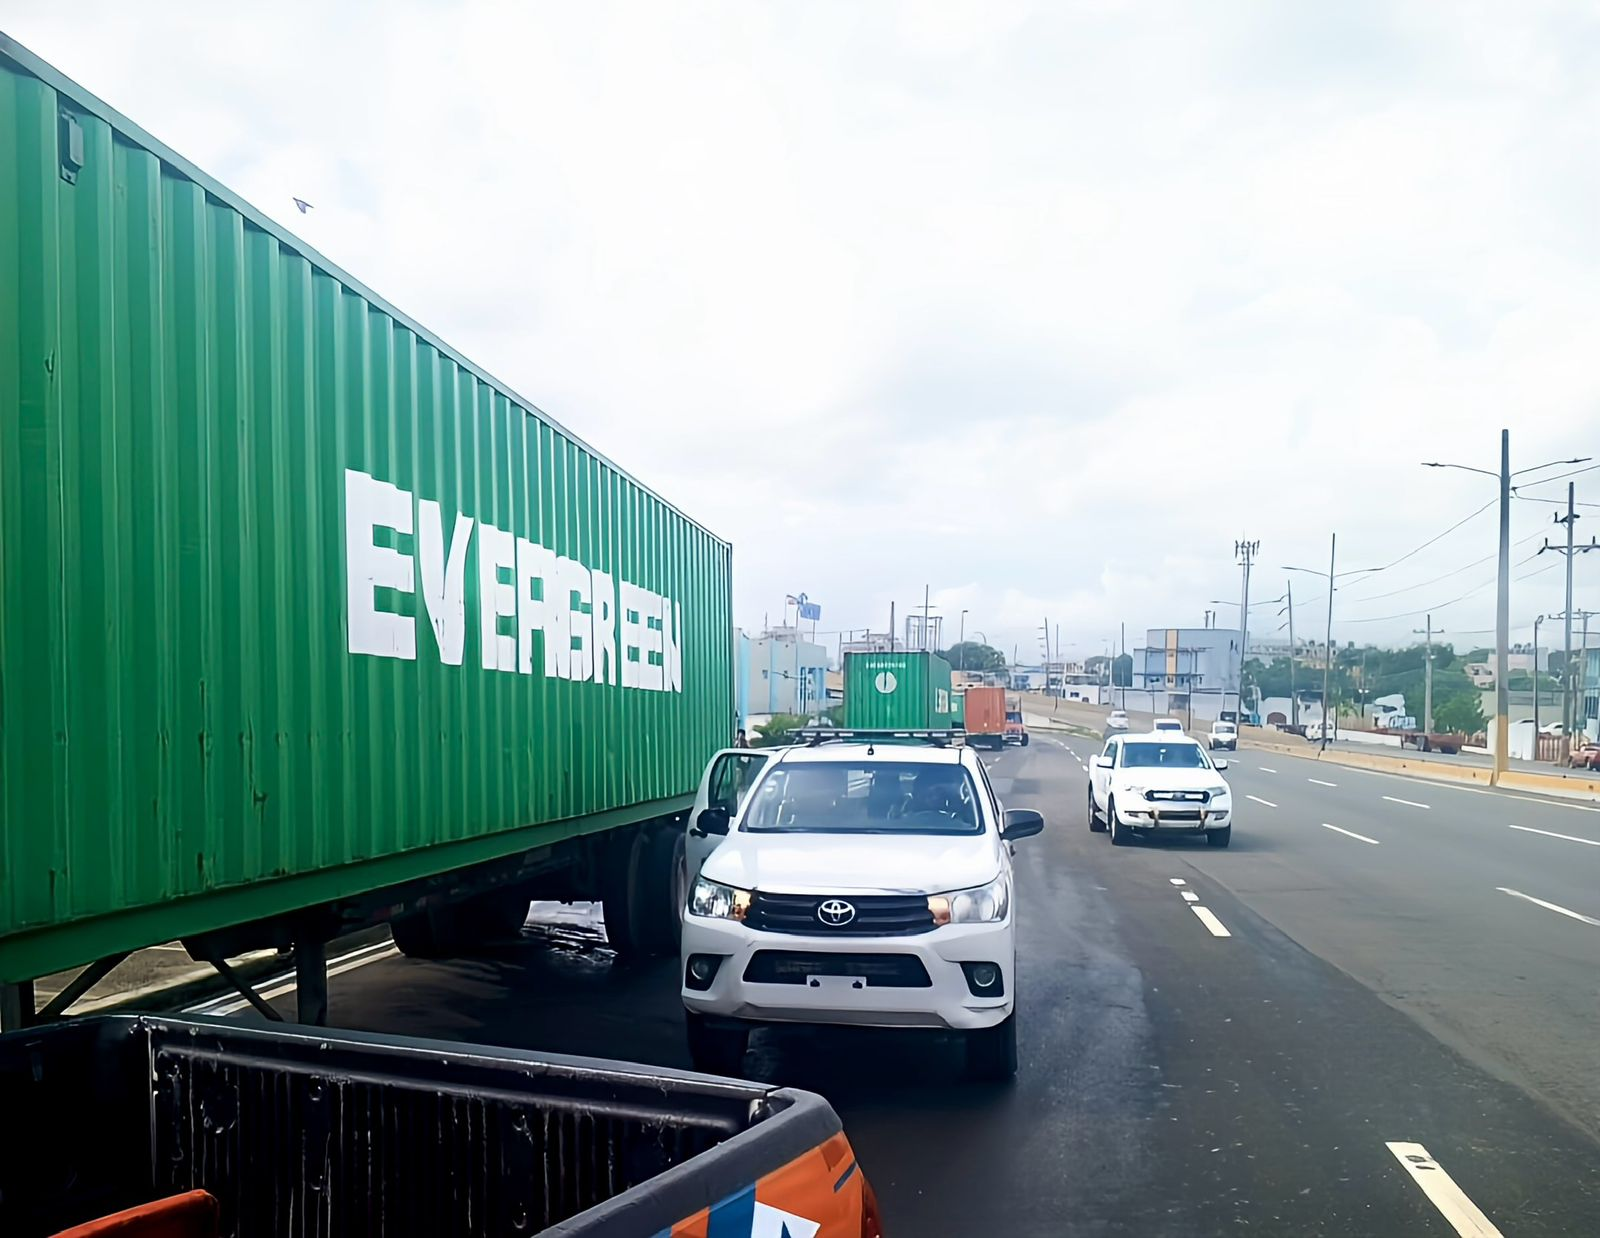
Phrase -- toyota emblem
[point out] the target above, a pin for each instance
(836, 912)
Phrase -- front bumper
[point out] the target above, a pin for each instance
(945, 1002)
(1174, 818)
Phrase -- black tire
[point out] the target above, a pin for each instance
(490, 918)
(417, 935)
(992, 1052)
(1097, 824)
(660, 927)
(1024, 741)
(716, 1049)
(1219, 838)
(1121, 836)
(619, 899)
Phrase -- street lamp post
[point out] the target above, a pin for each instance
(961, 644)
(1327, 651)
(1502, 610)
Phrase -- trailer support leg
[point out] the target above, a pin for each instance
(242, 987)
(16, 1005)
(81, 984)
(311, 982)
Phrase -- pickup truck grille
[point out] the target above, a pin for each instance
(1179, 797)
(876, 915)
(880, 971)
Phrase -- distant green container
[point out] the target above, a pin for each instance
(958, 708)
(897, 690)
(295, 601)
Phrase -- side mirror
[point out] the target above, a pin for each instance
(713, 820)
(1104, 763)
(1220, 764)
(1021, 823)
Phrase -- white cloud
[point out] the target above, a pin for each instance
(1043, 307)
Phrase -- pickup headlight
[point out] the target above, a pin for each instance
(1218, 793)
(1132, 790)
(717, 901)
(980, 905)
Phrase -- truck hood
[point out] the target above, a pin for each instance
(854, 863)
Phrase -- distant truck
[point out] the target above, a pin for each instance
(1016, 729)
(986, 717)
(907, 690)
(142, 1125)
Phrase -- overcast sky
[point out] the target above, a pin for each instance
(1041, 305)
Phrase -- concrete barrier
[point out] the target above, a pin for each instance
(1435, 771)
(1551, 784)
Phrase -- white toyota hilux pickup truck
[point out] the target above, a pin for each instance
(862, 881)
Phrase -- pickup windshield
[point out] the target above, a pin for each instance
(1169, 756)
(877, 797)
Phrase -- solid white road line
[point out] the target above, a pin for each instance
(1265, 770)
(283, 983)
(1350, 833)
(1555, 907)
(1320, 783)
(1210, 921)
(1408, 803)
(1189, 896)
(1528, 829)
(1440, 1188)
(1259, 800)
(282, 989)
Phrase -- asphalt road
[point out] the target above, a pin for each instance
(1368, 994)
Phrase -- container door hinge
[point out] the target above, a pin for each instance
(70, 147)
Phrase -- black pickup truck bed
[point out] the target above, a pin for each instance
(302, 1132)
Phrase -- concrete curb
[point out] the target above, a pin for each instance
(1554, 785)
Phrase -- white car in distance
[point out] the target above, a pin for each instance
(1167, 724)
(861, 883)
(1223, 735)
(1159, 784)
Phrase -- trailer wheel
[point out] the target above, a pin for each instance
(417, 935)
(661, 890)
(619, 898)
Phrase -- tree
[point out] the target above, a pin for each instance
(1463, 713)
(779, 729)
(971, 655)
(1122, 670)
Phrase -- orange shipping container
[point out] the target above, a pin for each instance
(986, 716)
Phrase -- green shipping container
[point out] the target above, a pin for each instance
(897, 690)
(958, 709)
(295, 601)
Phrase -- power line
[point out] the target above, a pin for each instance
(1373, 597)
(1558, 477)
(1461, 598)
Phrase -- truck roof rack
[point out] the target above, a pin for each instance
(940, 737)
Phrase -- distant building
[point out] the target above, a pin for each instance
(787, 674)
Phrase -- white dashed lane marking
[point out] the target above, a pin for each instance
(1528, 829)
(1350, 833)
(1464, 1216)
(1259, 800)
(1555, 907)
(1408, 803)
(1211, 922)
(1320, 783)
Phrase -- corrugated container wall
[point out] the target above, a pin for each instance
(897, 690)
(293, 598)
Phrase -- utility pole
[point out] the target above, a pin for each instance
(961, 643)
(1427, 673)
(1568, 713)
(1244, 552)
(1537, 620)
(1327, 661)
(1502, 613)
(1130, 665)
(1294, 701)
